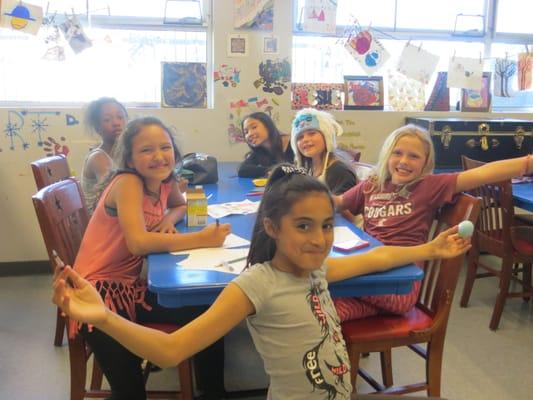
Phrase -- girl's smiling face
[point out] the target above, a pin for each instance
(255, 132)
(311, 143)
(407, 160)
(304, 235)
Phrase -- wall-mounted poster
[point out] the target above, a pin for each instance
(183, 85)
(19, 16)
(363, 92)
(477, 100)
(237, 45)
(253, 14)
(322, 96)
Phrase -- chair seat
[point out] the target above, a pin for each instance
(384, 327)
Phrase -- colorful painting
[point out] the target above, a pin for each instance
(75, 35)
(254, 14)
(183, 85)
(19, 16)
(525, 66)
(465, 73)
(243, 107)
(477, 100)
(274, 76)
(229, 76)
(363, 93)
(367, 51)
(416, 63)
(319, 16)
(322, 96)
(504, 72)
(405, 94)
(237, 46)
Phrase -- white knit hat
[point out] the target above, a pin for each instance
(311, 119)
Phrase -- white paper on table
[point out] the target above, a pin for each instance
(215, 259)
(233, 240)
(236, 207)
(343, 234)
(465, 73)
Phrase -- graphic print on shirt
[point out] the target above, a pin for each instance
(383, 206)
(326, 374)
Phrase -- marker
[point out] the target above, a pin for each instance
(59, 263)
(217, 222)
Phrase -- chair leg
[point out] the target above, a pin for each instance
(60, 329)
(185, 375)
(78, 368)
(386, 367)
(434, 353)
(97, 375)
(526, 280)
(505, 280)
(473, 257)
(354, 356)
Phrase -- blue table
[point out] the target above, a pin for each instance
(177, 287)
(523, 195)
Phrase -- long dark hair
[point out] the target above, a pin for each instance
(287, 185)
(274, 137)
(123, 149)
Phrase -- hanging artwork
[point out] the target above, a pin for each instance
(525, 65)
(74, 34)
(465, 73)
(367, 51)
(477, 100)
(19, 16)
(274, 76)
(253, 14)
(183, 85)
(416, 63)
(440, 96)
(228, 75)
(405, 94)
(237, 46)
(55, 51)
(504, 71)
(322, 96)
(363, 93)
(243, 107)
(319, 16)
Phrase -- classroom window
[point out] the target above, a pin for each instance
(443, 28)
(129, 42)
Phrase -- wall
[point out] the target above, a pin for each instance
(198, 129)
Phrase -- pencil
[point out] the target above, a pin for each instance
(217, 222)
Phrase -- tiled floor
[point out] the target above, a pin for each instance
(478, 363)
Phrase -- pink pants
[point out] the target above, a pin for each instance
(350, 308)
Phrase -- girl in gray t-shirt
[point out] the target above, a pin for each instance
(283, 295)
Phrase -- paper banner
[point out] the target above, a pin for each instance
(368, 51)
(416, 63)
(504, 73)
(320, 16)
(253, 14)
(525, 65)
(20, 16)
(465, 73)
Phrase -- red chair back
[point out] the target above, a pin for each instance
(49, 170)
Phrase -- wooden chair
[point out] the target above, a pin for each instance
(50, 170)
(46, 171)
(425, 323)
(63, 217)
(498, 233)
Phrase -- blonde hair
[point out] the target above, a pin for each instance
(382, 174)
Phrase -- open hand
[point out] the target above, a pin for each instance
(77, 298)
(449, 244)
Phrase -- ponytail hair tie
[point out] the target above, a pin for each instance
(285, 170)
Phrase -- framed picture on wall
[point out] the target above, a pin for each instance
(477, 100)
(238, 45)
(363, 92)
(270, 45)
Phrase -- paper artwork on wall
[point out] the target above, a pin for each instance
(274, 76)
(13, 130)
(465, 73)
(253, 14)
(55, 51)
(525, 66)
(229, 76)
(75, 35)
(477, 100)
(367, 51)
(183, 85)
(270, 45)
(322, 96)
(20, 16)
(319, 16)
(405, 94)
(243, 107)
(440, 96)
(237, 45)
(417, 63)
(504, 73)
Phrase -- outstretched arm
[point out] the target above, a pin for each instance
(495, 171)
(81, 301)
(446, 245)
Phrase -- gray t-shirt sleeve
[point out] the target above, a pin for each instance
(256, 283)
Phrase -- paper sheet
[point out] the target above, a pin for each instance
(236, 207)
(216, 259)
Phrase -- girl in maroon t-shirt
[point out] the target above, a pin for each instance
(399, 201)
